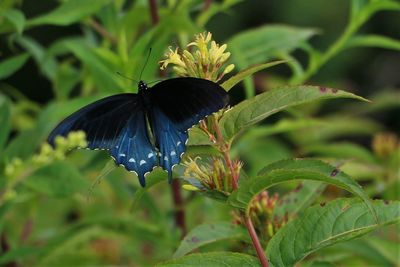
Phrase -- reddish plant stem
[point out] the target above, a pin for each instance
(207, 4)
(225, 151)
(225, 147)
(179, 206)
(256, 242)
(5, 247)
(154, 12)
(102, 31)
(26, 230)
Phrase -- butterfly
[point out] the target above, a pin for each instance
(148, 129)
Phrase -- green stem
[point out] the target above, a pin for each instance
(337, 46)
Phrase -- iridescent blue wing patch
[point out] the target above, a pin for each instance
(177, 105)
(170, 140)
(133, 149)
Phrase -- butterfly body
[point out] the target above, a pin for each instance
(148, 129)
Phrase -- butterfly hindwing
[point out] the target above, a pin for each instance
(170, 140)
(133, 148)
(177, 105)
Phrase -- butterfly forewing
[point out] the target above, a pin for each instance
(102, 121)
(186, 101)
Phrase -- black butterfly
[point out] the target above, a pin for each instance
(148, 129)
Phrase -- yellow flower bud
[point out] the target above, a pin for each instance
(190, 187)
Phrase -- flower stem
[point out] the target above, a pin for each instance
(224, 148)
(154, 12)
(102, 31)
(179, 212)
(256, 242)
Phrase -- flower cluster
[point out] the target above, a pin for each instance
(212, 175)
(204, 58)
(47, 153)
(261, 214)
(385, 144)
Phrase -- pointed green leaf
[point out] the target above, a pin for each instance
(209, 233)
(69, 12)
(324, 225)
(294, 169)
(254, 110)
(295, 202)
(213, 259)
(16, 18)
(259, 45)
(232, 81)
(12, 64)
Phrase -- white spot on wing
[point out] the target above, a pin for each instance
(166, 158)
(179, 142)
(132, 160)
(122, 155)
(173, 153)
(150, 155)
(142, 162)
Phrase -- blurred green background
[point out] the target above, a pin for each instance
(70, 58)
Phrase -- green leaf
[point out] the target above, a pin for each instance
(251, 111)
(294, 169)
(58, 179)
(374, 41)
(213, 259)
(232, 81)
(12, 64)
(46, 63)
(341, 150)
(333, 127)
(16, 18)
(295, 202)
(321, 226)
(103, 75)
(5, 120)
(69, 12)
(261, 44)
(208, 233)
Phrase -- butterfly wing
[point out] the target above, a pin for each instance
(171, 141)
(177, 105)
(116, 123)
(186, 101)
(133, 148)
(102, 120)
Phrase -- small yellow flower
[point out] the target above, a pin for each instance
(213, 175)
(203, 59)
(173, 57)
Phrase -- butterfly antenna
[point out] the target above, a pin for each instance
(145, 63)
(126, 77)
